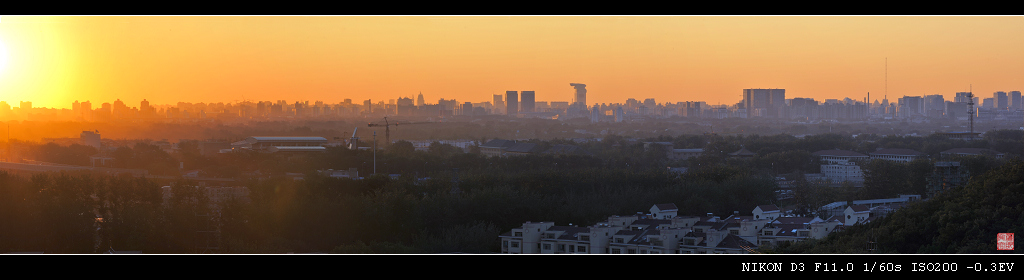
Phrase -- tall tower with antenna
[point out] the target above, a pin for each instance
(970, 108)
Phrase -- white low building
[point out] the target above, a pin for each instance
(841, 166)
(663, 231)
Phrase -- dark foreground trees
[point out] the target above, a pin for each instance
(451, 212)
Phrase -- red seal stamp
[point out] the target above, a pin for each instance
(1004, 241)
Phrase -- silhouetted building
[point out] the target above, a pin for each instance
(528, 102)
(511, 103)
(581, 93)
(499, 105)
(911, 106)
(763, 102)
(90, 138)
(690, 109)
(934, 106)
(1001, 100)
(1015, 101)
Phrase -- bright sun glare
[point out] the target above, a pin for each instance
(3, 57)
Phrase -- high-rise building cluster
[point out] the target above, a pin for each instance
(756, 103)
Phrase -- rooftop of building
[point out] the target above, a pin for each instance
(562, 149)
(971, 151)
(297, 149)
(735, 242)
(897, 152)
(860, 208)
(769, 208)
(498, 143)
(523, 148)
(255, 139)
(839, 153)
(666, 206)
(788, 229)
(688, 150)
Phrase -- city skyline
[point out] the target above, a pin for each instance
(53, 61)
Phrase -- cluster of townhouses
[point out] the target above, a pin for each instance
(662, 231)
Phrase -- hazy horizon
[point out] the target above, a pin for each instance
(54, 61)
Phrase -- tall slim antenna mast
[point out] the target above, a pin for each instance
(374, 153)
(970, 108)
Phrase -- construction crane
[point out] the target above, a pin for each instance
(387, 127)
(353, 144)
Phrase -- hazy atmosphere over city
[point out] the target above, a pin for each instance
(53, 61)
(514, 135)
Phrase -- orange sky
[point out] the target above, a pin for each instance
(53, 61)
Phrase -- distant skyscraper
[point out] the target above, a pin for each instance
(499, 104)
(961, 97)
(419, 100)
(528, 102)
(1015, 101)
(511, 103)
(86, 108)
(1001, 101)
(911, 106)
(755, 98)
(581, 93)
(448, 107)
(777, 97)
(764, 102)
(690, 109)
(934, 105)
